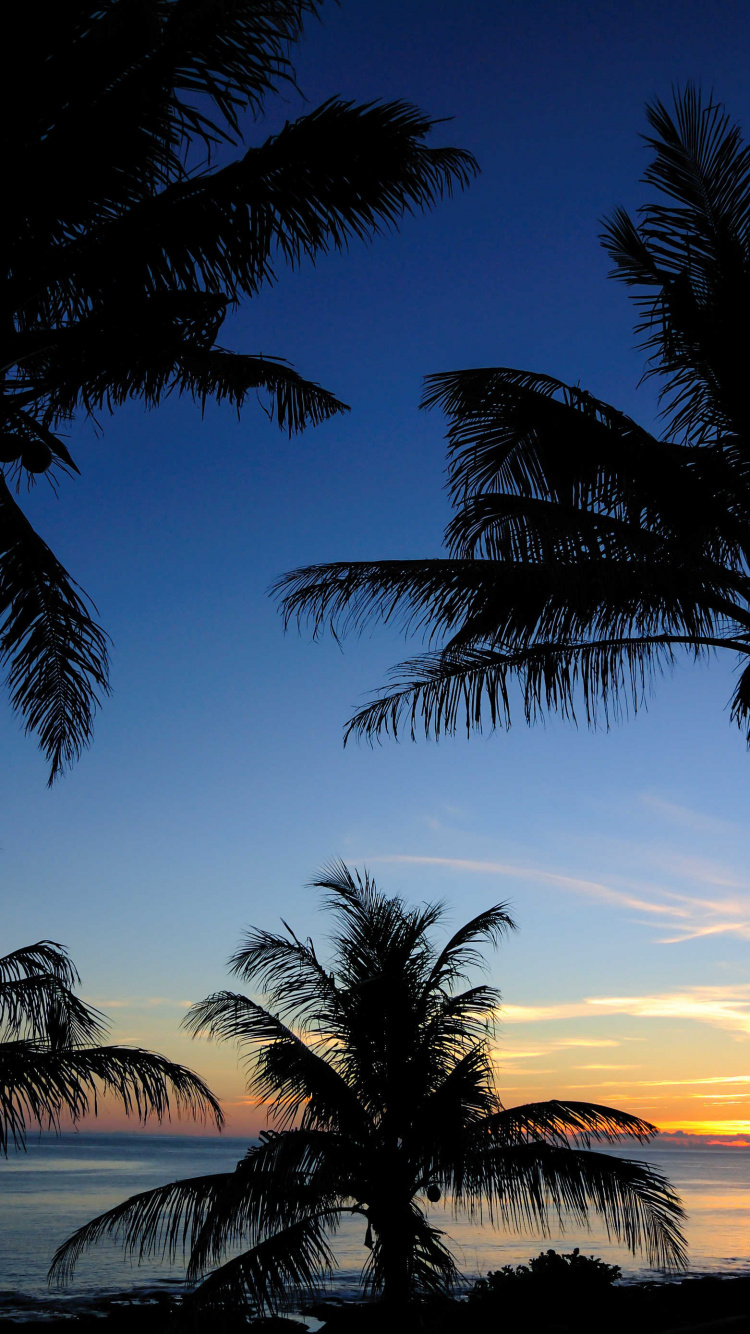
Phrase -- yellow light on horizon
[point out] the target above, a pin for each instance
(706, 1127)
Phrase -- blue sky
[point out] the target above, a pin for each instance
(217, 783)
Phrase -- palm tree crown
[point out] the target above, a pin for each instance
(53, 1061)
(130, 229)
(585, 552)
(377, 1071)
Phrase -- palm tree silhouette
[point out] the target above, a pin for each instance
(585, 553)
(130, 229)
(378, 1074)
(53, 1061)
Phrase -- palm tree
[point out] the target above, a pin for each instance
(587, 554)
(377, 1071)
(131, 228)
(53, 1061)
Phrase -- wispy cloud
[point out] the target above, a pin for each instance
(722, 1006)
(711, 1081)
(684, 916)
(586, 1042)
(686, 816)
(606, 1067)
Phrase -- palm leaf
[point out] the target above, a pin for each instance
(461, 955)
(276, 1185)
(39, 1084)
(160, 1222)
(288, 971)
(340, 173)
(41, 1007)
(689, 258)
(46, 956)
(287, 1264)
(283, 1067)
(56, 655)
(563, 1123)
(432, 1268)
(529, 1186)
(106, 372)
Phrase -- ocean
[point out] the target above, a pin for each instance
(61, 1183)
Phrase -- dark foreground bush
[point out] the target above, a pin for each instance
(559, 1294)
(549, 1274)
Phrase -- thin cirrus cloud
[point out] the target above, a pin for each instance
(686, 816)
(606, 1067)
(725, 1007)
(683, 916)
(712, 1080)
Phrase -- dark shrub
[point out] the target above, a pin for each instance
(547, 1274)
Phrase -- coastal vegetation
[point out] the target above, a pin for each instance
(376, 1065)
(54, 1061)
(132, 226)
(586, 554)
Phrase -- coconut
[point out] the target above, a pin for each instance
(36, 456)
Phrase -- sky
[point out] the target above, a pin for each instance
(217, 784)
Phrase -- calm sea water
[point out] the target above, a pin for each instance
(61, 1183)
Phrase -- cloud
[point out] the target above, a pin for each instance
(588, 1042)
(508, 1055)
(666, 1083)
(684, 815)
(706, 1127)
(606, 1067)
(725, 1007)
(686, 916)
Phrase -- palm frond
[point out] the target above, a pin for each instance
(431, 1267)
(419, 596)
(529, 1186)
(293, 1262)
(462, 1100)
(689, 257)
(35, 1089)
(605, 479)
(119, 99)
(340, 173)
(126, 245)
(563, 1122)
(276, 1185)
(380, 943)
(54, 652)
(101, 369)
(40, 1083)
(42, 1008)
(161, 1222)
(461, 955)
(46, 956)
(284, 1069)
(531, 434)
(289, 973)
(472, 688)
(463, 1017)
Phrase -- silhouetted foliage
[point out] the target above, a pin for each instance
(53, 1062)
(585, 553)
(560, 1276)
(127, 243)
(377, 1071)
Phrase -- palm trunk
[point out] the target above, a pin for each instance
(395, 1259)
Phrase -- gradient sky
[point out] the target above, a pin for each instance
(217, 783)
